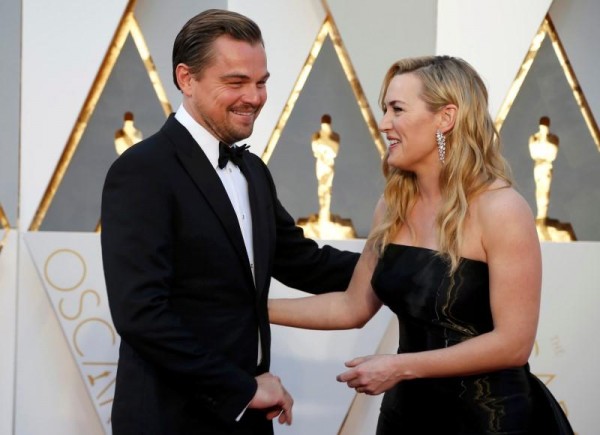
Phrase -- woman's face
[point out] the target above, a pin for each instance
(408, 125)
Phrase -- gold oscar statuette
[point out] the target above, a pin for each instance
(325, 225)
(125, 137)
(128, 135)
(543, 148)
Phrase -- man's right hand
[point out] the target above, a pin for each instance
(273, 397)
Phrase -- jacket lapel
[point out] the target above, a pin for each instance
(206, 179)
(259, 233)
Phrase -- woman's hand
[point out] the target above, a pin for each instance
(372, 374)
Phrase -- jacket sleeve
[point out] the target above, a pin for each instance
(300, 263)
(137, 251)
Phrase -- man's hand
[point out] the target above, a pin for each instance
(273, 397)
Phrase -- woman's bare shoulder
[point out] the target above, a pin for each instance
(502, 210)
(380, 209)
(501, 198)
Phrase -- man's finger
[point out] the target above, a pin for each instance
(273, 413)
(285, 416)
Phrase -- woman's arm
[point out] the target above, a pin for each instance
(337, 310)
(512, 249)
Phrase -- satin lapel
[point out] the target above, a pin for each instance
(206, 179)
(258, 222)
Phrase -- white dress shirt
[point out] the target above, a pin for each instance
(232, 178)
(234, 183)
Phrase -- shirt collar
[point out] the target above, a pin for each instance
(207, 142)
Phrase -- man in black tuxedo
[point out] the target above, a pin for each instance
(190, 241)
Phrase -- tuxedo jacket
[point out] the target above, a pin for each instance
(181, 291)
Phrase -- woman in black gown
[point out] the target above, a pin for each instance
(454, 253)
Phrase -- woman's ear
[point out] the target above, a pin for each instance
(447, 117)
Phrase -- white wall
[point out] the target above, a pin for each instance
(8, 316)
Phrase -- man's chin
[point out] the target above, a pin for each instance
(243, 133)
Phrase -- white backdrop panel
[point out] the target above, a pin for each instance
(8, 305)
(50, 387)
(50, 396)
(567, 356)
(308, 362)
(70, 268)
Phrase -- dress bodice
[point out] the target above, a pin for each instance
(437, 311)
(433, 309)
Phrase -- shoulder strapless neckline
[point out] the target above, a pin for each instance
(434, 309)
(432, 251)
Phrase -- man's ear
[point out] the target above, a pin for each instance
(447, 117)
(184, 78)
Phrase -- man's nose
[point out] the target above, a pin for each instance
(255, 96)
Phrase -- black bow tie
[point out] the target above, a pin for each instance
(233, 153)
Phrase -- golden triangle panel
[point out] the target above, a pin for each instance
(125, 102)
(547, 29)
(328, 29)
(328, 88)
(550, 138)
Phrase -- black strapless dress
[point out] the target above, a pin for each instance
(435, 311)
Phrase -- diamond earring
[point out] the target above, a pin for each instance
(441, 143)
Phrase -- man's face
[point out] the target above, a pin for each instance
(227, 96)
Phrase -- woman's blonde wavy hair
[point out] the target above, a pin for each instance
(473, 160)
